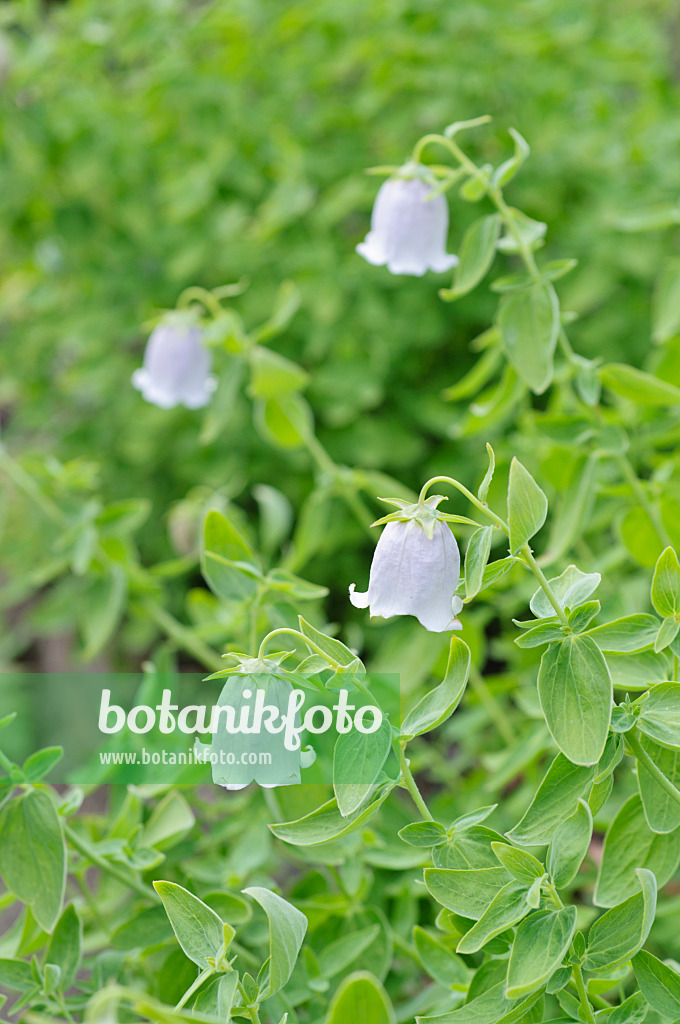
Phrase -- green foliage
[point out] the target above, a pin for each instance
(508, 868)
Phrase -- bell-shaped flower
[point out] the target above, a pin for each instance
(176, 368)
(408, 231)
(415, 571)
(253, 753)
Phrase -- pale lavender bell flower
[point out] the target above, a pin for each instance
(408, 233)
(414, 574)
(176, 368)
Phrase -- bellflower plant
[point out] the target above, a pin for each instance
(176, 368)
(408, 229)
(415, 569)
(534, 770)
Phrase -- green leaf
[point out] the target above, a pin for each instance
(489, 1007)
(147, 928)
(40, 764)
(287, 927)
(522, 865)
(668, 631)
(228, 580)
(64, 946)
(358, 759)
(273, 375)
(631, 844)
(660, 715)
(285, 421)
(507, 170)
(632, 1010)
(630, 633)
(527, 506)
(546, 633)
(16, 974)
(223, 538)
(571, 588)
(361, 999)
(483, 491)
(33, 854)
(659, 984)
(617, 936)
(666, 302)
(336, 650)
(423, 833)
(103, 607)
(216, 997)
(540, 945)
(437, 705)
(661, 810)
(467, 892)
(439, 960)
(569, 845)
(476, 557)
(476, 256)
(638, 386)
(556, 800)
(575, 690)
(508, 907)
(582, 616)
(338, 955)
(480, 374)
(170, 819)
(666, 584)
(198, 929)
(529, 323)
(286, 305)
(324, 824)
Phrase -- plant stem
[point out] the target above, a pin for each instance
(131, 881)
(496, 520)
(653, 769)
(412, 786)
(642, 496)
(183, 637)
(585, 1002)
(545, 586)
(195, 985)
(250, 1010)
(289, 631)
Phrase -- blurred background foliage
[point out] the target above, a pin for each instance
(151, 146)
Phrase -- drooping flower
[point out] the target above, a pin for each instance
(408, 232)
(415, 571)
(253, 753)
(176, 368)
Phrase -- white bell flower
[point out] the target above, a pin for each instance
(415, 571)
(408, 232)
(176, 368)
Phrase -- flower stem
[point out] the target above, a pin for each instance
(496, 520)
(545, 586)
(289, 631)
(653, 769)
(412, 786)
